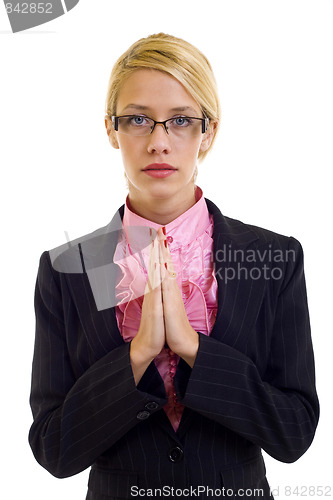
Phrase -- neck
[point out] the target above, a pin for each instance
(163, 210)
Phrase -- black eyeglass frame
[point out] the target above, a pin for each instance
(204, 121)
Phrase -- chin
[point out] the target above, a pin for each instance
(161, 192)
(155, 188)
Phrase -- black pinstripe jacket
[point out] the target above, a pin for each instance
(252, 386)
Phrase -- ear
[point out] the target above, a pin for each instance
(208, 136)
(111, 132)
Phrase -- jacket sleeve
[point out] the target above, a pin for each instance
(76, 420)
(277, 410)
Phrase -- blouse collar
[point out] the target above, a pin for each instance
(182, 230)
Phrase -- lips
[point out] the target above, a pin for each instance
(159, 170)
(159, 166)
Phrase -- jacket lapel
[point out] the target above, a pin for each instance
(240, 290)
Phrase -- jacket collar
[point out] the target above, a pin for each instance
(230, 230)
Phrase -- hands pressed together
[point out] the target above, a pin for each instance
(164, 319)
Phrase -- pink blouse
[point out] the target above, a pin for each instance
(191, 244)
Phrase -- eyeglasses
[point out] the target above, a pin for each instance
(140, 125)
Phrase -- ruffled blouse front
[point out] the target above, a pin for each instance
(190, 242)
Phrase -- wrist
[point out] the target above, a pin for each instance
(139, 361)
(188, 348)
(139, 353)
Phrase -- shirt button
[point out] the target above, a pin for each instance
(152, 405)
(142, 415)
(169, 239)
(176, 454)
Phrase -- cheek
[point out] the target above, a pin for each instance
(127, 148)
(189, 150)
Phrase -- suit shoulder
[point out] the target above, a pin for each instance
(244, 233)
(263, 234)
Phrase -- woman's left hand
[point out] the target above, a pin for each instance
(180, 336)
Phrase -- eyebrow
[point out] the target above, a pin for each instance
(140, 107)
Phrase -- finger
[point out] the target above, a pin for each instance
(152, 264)
(157, 267)
(162, 266)
(165, 253)
(165, 264)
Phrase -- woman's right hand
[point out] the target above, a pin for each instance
(150, 339)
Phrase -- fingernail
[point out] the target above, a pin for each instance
(164, 230)
(165, 243)
(166, 265)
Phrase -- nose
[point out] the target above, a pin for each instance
(159, 140)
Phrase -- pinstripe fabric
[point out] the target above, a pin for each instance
(252, 386)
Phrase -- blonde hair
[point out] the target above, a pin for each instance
(175, 57)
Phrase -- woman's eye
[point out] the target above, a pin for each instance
(182, 121)
(137, 120)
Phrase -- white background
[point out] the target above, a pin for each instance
(270, 167)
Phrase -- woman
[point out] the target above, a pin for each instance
(174, 344)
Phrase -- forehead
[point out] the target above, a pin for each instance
(150, 89)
